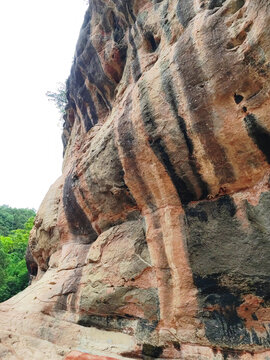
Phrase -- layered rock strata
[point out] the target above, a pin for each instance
(154, 243)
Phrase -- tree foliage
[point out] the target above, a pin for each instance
(13, 270)
(59, 98)
(12, 218)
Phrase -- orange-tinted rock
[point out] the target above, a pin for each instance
(77, 355)
(154, 243)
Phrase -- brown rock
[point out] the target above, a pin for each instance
(154, 243)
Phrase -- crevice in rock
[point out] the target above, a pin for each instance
(215, 4)
(238, 98)
(151, 43)
(152, 351)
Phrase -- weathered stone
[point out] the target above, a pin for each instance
(154, 243)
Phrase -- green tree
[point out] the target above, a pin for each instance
(12, 218)
(13, 270)
(59, 98)
(3, 264)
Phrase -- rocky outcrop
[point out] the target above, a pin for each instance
(154, 243)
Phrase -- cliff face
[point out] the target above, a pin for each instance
(155, 242)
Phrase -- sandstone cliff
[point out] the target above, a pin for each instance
(155, 241)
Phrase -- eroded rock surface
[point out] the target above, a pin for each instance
(155, 241)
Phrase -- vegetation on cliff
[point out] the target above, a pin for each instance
(13, 244)
(59, 98)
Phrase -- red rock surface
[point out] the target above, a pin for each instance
(77, 355)
(154, 243)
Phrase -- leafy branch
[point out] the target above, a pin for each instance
(59, 98)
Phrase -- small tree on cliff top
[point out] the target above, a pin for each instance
(59, 98)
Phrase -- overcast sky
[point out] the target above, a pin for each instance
(38, 39)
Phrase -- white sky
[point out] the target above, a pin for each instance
(37, 42)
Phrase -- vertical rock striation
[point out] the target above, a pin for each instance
(155, 241)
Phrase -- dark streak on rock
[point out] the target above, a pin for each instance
(84, 32)
(228, 263)
(185, 11)
(126, 141)
(136, 67)
(183, 188)
(165, 22)
(85, 101)
(259, 135)
(125, 8)
(129, 4)
(128, 144)
(170, 95)
(77, 220)
(90, 63)
(118, 32)
(76, 76)
(191, 73)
